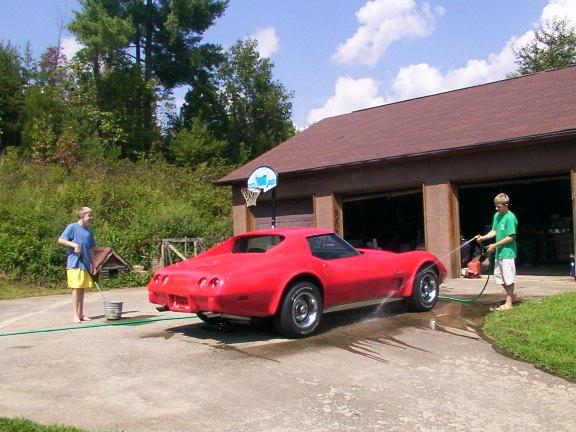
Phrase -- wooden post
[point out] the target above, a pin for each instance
(441, 212)
(573, 178)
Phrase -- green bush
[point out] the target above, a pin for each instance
(135, 205)
(125, 280)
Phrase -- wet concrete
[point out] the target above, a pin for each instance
(351, 331)
(393, 370)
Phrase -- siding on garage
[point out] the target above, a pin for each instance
(289, 213)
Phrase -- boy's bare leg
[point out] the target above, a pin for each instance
(81, 306)
(76, 305)
(509, 296)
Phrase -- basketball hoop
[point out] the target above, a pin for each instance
(251, 195)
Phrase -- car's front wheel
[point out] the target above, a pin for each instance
(424, 291)
(300, 313)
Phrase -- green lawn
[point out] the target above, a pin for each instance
(21, 425)
(14, 290)
(542, 332)
(22, 289)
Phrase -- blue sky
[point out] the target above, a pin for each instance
(343, 55)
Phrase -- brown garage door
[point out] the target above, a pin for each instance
(289, 213)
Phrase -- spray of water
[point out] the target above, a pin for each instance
(449, 253)
(385, 300)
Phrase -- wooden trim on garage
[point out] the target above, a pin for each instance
(573, 181)
(455, 258)
(338, 216)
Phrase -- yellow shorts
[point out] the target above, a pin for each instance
(79, 278)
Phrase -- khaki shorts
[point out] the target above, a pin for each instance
(505, 271)
(79, 278)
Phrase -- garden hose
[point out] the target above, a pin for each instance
(126, 322)
(476, 297)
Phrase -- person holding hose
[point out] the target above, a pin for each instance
(77, 237)
(503, 229)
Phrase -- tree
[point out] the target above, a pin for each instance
(170, 32)
(195, 145)
(138, 50)
(12, 83)
(258, 106)
(205, 101)
(554, 46)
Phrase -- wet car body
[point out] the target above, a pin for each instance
(293, 275)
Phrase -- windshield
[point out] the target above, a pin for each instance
(256, 244)
(330, 246)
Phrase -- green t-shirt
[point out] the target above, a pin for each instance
(505, 225)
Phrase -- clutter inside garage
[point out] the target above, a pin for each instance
(543, 208)
(392, 221)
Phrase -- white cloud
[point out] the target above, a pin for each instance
(560, 9)
(423, 79)
(349, 95)
(383, 22)
(70, 46)
(268, 42)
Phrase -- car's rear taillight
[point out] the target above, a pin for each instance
(203, 282)
(214, 282)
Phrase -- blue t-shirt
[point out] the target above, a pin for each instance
(84, 238)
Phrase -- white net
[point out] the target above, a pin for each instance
(250, 195)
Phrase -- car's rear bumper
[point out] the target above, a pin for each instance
(183, 302)
(222, 302)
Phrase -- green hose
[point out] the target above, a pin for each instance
(476, 297)
(100, 324)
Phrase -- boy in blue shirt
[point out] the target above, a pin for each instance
(79, 241)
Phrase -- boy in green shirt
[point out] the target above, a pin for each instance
(504, 226)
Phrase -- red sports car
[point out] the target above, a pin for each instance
(294, 275)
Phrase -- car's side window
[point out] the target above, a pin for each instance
(256, 244)
(330, 246)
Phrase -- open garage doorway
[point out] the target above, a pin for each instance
(392, 221)
(543, 207)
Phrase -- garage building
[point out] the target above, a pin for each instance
(422, 173)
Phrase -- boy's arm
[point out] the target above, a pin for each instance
(489, 235)
(503, 242)
(70, 244)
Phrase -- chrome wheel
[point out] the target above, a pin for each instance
(428, 288)
(300, 311)
(304, 309)
(425, 291)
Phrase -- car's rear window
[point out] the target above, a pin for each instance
(256, 244)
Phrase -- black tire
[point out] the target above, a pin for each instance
(301, 310)
(425, 291)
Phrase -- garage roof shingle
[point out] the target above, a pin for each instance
(511, 109)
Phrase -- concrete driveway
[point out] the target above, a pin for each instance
(366, 371)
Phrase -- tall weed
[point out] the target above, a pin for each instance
(135, 205)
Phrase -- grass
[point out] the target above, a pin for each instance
(540, 331)
(18, 289)
(22, 425)
(11, 289)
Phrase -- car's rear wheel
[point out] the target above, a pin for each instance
(424, 291)
(301, 310)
